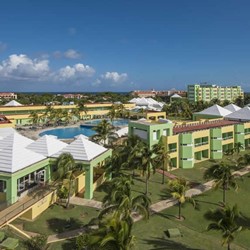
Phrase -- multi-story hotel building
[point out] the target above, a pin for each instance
(194, 142)
(206, 93)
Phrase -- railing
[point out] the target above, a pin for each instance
(200, 143)
(227, 138)
(172, 150)
(46, 190)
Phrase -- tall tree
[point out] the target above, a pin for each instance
(238, 146)
(177, 188)
(66, 169)
(119, 198)
(34, 117)
(223, 177)
(225, 220)
(104, 130)
(162, 158)
(147, 163)
(113, 233)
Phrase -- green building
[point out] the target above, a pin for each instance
(194, 142)
(206, 93)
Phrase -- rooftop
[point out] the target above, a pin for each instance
(202, 125)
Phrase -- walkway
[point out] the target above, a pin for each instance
(85, 202)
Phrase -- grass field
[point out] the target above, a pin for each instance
(57, 219)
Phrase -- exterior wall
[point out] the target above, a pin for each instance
(197, 117)
(216, 143)
(40, 206)
(186, 151)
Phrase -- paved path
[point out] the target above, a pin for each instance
(85, 202)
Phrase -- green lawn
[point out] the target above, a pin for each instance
(150, 234)
(57, 219)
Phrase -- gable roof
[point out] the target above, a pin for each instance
(82, 149)
(13, 103)
(13, 154)
(232, 107)
(47, 145)
(242, 114)
(215, 110)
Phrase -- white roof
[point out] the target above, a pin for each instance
(215, 110)
(176, 96)
(232, 107)
(14, 156)
(122, 132)
(6, 131)
(47, 145)
(146, 102)
(16, 139)
(242, 114)
(13, 103)
(82, 149)
(165, 120)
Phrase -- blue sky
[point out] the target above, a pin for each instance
(121, 45)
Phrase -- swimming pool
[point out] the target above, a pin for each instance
(68, 133)
(116, 122)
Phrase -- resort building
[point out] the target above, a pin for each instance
(27, 166)
(8, 95)
(20, 114)
(190, 143)
(206, 93)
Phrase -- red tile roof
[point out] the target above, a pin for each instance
(201, 126)
(3, 119)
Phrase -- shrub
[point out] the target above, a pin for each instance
(38, 242)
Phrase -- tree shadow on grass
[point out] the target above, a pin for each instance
(244, 221)
(61, 225)
(68, 244)
(164, 244)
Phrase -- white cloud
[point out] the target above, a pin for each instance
(115, 77)
(3, 46)
(69, 54)
(76, 72)
(72, 54)
(22, 67)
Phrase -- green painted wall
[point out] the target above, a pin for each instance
(186, 151)
(216, 143)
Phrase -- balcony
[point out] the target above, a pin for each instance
(172, 150)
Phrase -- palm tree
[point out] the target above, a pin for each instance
(119, 198)
(244, 160)
(103, 131)
(162, 157)
(147, 162)
(82, 108)
(66, 169)
(177, 188)
(223, 177)
(113, 233)
(112, 114)
(238, 146)
(34, 117)
(225, 220)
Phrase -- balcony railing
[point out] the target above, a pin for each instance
(172, 150)
(200, 144)
(227, 138)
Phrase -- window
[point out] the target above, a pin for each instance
(2, 186)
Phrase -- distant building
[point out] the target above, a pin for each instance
(8, 95)
(206, 92)
(72, 96)
(162, 93)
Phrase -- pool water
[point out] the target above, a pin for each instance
(116, 122)
(69, 133)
